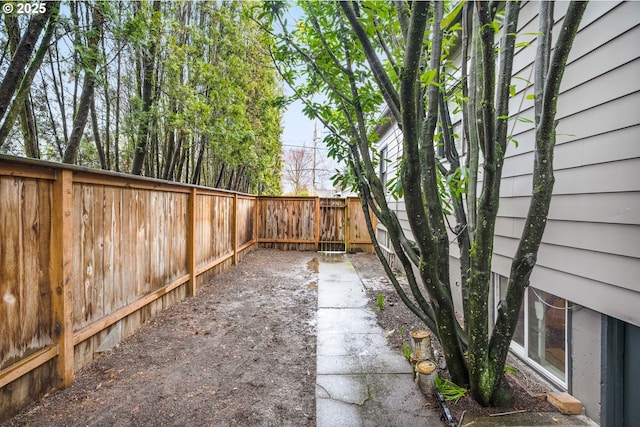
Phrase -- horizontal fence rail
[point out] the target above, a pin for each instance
(87, 257)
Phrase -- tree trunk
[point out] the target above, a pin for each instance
(27, 122)
(25, 84)
(59, 94)
(148, 81)
(197, 166)
(22, 55)
(82, 113)
(116, 142)
(54, 127)
(220, 176)
(525, 257)
(96, 134)
(107, 112)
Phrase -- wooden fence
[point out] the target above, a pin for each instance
(86, 257)
(312, 223)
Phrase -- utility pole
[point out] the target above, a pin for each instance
(313, 170)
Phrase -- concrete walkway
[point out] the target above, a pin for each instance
(360, 380)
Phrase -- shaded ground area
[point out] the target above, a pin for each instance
(241, 353)
(398, 321)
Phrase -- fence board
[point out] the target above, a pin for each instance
(287, 220)
(246, 215)
(25, 311)
(358, 232)
(213, 228)
(62, 279)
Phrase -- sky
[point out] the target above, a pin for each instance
(297, 128)
(298, 131)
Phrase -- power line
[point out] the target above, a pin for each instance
(300, 146)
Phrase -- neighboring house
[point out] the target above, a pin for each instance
(580, 323)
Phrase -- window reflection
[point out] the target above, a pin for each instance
(540, 334)
(547, 330)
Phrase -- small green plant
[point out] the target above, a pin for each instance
(406, 351)
(401, 331)
(380, 302)
(511, 369)
(451, 391)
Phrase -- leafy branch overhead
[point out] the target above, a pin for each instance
(438, 76)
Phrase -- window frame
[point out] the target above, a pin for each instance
(522, 352)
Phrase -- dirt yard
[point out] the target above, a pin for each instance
(242, 353)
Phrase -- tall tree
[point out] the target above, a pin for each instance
(17, 79)
(148, 77)
(26, 110)
(89, 60)
(22, 56)
(363, 56)
(21, 104)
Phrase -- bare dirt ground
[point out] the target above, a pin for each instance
(242, 353)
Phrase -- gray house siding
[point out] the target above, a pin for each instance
(590, 254)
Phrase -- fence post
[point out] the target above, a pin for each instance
(318, 220)
(347, 225)
(191, 242)
(234, 231)
(62, 275)
(257, 205)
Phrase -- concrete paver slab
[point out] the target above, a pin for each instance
(347, 320)
(342, 296)
(378, 400)
(332, 343)
(360, 381)
(333, 413)
(351, 389)
(363, 363)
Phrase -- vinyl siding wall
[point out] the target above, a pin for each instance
(591, 252)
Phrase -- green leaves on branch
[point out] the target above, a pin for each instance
(428, 77)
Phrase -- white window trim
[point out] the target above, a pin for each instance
(384, 167)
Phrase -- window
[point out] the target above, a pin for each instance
(540, 336)
(383, 238)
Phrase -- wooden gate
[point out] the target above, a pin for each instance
(333, 225)
(312, 223)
